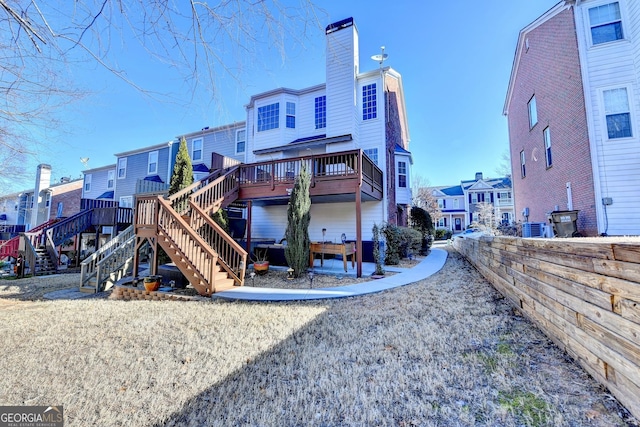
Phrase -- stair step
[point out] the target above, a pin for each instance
(88, 289)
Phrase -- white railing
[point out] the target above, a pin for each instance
(110, 261)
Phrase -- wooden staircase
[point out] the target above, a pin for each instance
(110, 263)
(209, 258)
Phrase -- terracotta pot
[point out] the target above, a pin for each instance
(152, 286)
(261, 267)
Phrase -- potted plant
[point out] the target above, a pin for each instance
(152, 283)
(260, 262)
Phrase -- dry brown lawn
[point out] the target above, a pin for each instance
(445, 351)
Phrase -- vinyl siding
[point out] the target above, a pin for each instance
(137, 166)
(617, 161)
(221, 141)
(270, 222)
(341, 65)
(99, 179)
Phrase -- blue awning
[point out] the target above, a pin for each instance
(200, 167)
(153, 178)
(106, 195)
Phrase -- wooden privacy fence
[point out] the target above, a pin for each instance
(584, 295)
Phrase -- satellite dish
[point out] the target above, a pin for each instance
(380, 57)
(84, 161)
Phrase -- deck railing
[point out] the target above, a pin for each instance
(332, 166)
(180, 200)
(9, 248)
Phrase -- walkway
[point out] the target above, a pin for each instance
(428, 266)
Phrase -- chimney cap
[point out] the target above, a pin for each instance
(336, 26)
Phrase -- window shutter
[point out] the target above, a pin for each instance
(444, 203)
(469, 197)
(491, 197)
(445, 222)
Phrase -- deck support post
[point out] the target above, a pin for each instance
(359, 231)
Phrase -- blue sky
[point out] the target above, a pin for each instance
(455, 59)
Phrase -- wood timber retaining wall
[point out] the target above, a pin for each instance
(584, 295)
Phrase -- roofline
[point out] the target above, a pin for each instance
(207, 130)
(99, 168)
(144, 149)
(559, 7)
(282, 90)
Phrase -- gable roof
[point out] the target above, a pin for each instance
(520, 46)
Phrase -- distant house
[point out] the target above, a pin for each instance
(459, 203)
(99, 183)
(572, 108)
(143, 170)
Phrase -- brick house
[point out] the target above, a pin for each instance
(573, 131)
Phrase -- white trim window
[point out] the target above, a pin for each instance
(605, 22)
(241, 136)
(122, 168)
(196, 150)
(617, 113)
(533, 112)
(523, 169)
(87, 183)
(291, 115)
(110, 179)
(47, 199)
(369, 102)
(547, 146)
(269, 117)
(321, 112)
(441, 222)
(152, 164)
(474, 198)
(126, 202)
(402, 174)
(456, 204)
(440, 203)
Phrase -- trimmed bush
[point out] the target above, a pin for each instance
(443, 234)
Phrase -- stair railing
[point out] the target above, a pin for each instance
(211, 197)
(29, 254)
(180, 200)
(153, 212)
(118, 249)
(231, 256)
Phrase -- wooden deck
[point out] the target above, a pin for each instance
(335, 177)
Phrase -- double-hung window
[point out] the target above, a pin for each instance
(533, 112)
(241, 136)
(152, 165)
(440, 203)
(196, 150)
(402, 174)
(547, 146)
(110, 178)
(87, 183)
(321, 112)
(369, 103)
(269, 117)
(606, 23)
(617, 113)
(122, 168)
(291, 115)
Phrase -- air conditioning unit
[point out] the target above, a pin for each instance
(533, 229)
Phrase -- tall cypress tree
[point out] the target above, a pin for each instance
(298, 218)
(182, 176)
